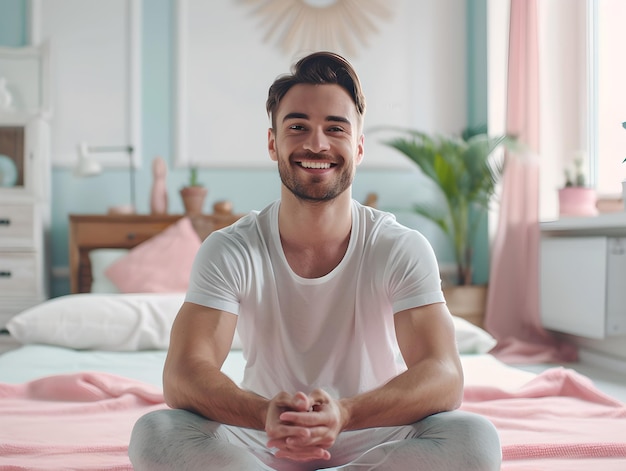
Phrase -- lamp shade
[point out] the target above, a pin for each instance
(87, 166)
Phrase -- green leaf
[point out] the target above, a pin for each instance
(465, 171)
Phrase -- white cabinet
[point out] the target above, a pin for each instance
(24, 212)
(24, 179)
(583, 276)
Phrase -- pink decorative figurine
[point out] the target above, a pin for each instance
(158, 197)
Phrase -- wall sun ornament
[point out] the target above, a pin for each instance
(307, 25)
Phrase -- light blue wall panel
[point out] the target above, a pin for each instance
(477, 113)
(13, 32)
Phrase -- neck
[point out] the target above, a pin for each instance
(313, 223)
(315, 235)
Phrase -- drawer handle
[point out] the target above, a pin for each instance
(5, 274)
(5, 222)
(131, 236)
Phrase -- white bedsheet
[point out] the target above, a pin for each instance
(35, 361)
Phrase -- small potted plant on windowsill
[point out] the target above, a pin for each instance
(193, 194)
(576, 198)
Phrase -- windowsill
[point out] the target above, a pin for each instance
(607, 224)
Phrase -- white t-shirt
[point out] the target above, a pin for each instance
(335, 332)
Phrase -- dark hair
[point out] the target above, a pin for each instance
(316, 69)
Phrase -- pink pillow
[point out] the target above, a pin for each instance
(161, 264)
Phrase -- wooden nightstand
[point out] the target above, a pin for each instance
(88, 232)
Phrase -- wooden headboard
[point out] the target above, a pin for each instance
(125, 231)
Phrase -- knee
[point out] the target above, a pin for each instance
(148, 440)
(477, 440)
(152, 425)
(176, 439)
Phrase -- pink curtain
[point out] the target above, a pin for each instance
(512, 313)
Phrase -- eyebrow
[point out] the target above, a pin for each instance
(331, 118)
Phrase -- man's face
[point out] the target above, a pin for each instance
(317, 142)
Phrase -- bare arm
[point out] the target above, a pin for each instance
(200, 341)
(432, 383)
(434, 379)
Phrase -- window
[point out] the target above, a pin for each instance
(582, 92)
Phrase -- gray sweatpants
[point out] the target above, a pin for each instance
(449, 441)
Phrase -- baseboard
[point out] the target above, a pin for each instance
(601, 361)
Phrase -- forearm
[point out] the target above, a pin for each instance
(207, 391)
(426, 388)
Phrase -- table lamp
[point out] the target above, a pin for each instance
(88, 166)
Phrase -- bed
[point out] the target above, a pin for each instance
(89, 364)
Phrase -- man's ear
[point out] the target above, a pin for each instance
(360, 149)
(271, 144)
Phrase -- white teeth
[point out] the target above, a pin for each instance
(315, 164)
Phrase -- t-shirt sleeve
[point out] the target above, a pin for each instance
(214, 280)
(413, 273)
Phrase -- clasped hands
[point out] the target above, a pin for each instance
(302, 427)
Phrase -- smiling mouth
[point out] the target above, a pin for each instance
(316, 165)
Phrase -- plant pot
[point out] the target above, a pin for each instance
(577, 201)
(467, 301)
(193, 199)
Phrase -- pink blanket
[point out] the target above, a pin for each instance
(557, 421)
(80, 421)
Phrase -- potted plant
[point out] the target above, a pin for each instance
(465, 173)
(576, 198)
(193, 194)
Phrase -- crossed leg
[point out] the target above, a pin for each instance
(449, 441)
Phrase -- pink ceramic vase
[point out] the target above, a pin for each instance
(577, 201)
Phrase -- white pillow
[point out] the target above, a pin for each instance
(114, 322)
(470, 338)
(100, 260)
(129, 322)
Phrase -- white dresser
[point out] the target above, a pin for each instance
(24, 212)
(583, 275)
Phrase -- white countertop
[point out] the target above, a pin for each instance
(610, 224)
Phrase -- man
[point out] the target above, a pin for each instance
(352, 362)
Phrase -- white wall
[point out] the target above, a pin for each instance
(413, 71)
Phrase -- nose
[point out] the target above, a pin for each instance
(317, 141)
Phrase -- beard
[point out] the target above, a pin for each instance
(314, 188)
